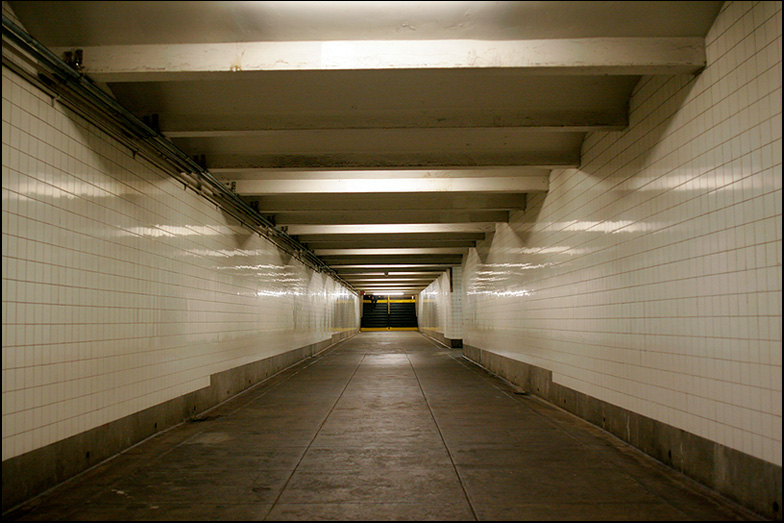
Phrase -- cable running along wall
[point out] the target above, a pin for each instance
(29, 58)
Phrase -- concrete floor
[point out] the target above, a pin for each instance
(385, 426)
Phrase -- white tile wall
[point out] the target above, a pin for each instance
(433, 305)
(121, 290)
(650, 277)
(454, 326)
(440, 305)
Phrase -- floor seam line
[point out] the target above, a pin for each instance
(321, 425)
(441, 435)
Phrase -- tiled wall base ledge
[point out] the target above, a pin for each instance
(750, 481)
(439, 337)
(31, 473)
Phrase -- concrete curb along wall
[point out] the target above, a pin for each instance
(439, 337)
(30, 474)
(752, 482)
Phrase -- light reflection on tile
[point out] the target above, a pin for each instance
(440, 305)
(650, 277)
(121, 290)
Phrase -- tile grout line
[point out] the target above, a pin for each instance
(320, 426)
(441, 435)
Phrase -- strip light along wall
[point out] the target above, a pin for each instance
(38, 65)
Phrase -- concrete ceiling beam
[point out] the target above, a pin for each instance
(402, 203)
(572, 56)
(390, 252)
(372, 268)
(409, 156)
(390, 149)
(389, 279)
(389, 243)
(511, 171)
(378, 273)
(418, 217)
(394, 185)
(383, 100)
(390, 231)
(400, 236)
(335, 261)
(397, 292)
(554, 120)
(365, 283)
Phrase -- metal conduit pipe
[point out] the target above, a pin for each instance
(66, 81)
